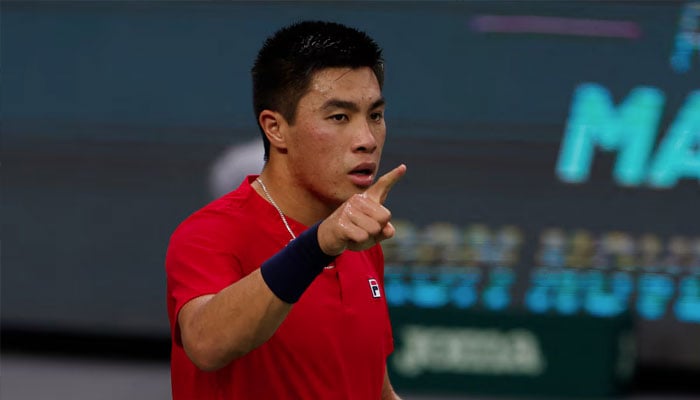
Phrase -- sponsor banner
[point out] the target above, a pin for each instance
(462, 352)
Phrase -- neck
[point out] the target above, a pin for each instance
(294, 200)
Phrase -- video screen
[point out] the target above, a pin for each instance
(567, 182)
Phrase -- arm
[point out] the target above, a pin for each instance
(387, 390)
(218, 328)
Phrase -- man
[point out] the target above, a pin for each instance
(275, 290)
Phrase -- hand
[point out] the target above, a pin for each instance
(362, 221)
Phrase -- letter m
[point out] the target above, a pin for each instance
(629, 129)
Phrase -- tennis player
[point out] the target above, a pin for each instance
(275, 290)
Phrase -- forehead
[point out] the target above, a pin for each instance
(358, 85)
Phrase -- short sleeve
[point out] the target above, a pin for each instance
(200, 260)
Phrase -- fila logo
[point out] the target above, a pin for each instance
(374, 287)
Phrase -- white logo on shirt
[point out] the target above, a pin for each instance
(374, 287)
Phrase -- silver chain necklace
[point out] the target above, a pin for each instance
(279, 210)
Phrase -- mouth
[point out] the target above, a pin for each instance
(363, 174)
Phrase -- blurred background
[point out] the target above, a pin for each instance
(548, 228)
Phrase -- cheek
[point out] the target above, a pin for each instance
(315, 148)
(324, 144)
(380, 136)
(312, 136)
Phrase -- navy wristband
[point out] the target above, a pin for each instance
(289, 272)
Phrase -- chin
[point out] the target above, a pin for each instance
(342, 196)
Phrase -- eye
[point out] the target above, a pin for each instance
(376, 116)
(339, 117)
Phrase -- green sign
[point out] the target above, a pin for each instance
(455, 351)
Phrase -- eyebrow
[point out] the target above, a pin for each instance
(349, 105)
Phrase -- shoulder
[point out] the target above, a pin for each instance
(222, 218)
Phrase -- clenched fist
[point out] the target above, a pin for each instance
(362, 221)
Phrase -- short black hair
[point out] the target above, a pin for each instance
(289, 58)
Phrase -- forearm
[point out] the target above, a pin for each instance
(388, 390)
(220, 328)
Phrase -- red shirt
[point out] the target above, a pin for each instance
(332, 345)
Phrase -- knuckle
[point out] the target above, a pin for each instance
(357, 197)
(348, 210)
(362, 236)
(384, 216)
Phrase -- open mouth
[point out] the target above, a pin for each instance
(362, 171)
(363, 174)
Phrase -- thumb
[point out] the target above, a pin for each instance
(380, 190)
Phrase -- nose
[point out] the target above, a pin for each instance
(365, 140)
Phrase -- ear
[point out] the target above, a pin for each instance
(274, 125)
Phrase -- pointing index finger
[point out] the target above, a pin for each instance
(380, 190)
